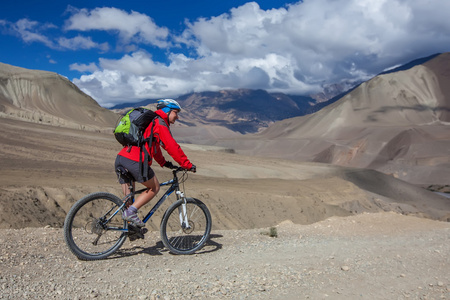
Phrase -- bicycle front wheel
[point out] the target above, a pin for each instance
(185, 226)
(93, 228)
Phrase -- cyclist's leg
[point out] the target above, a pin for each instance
(152, 189)
(145, 197)
(131, 213)
(152, 185)
(122, 162)
(125, 189)
(133, 168)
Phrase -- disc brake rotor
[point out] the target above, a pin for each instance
(190, 229)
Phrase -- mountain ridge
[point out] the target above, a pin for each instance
(49, 98)
(397, 123)
(240, 110)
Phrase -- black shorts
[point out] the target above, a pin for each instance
(132, 167)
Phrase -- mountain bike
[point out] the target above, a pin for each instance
(94, 228)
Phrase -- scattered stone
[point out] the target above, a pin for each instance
(235, 265)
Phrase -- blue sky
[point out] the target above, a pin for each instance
(123, 51)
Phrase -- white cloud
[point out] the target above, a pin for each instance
(80, 42)
(51, 60)
(30, 31)
(92, 67)
(131, 27)
(294, 49)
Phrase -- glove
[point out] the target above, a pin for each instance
(193, 169)
(169, 165)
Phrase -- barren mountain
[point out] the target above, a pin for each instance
(397, 123)
(240, 111)
(48, 98)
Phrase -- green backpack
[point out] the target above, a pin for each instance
(130, 132)
(130, 129)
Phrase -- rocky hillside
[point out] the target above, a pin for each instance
(48, 98)
(397, 123)
(242, 111)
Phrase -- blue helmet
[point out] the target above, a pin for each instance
(166, 105)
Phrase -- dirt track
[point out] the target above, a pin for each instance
(369, 256)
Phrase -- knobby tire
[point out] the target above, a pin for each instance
(86, 235)
(182, 240)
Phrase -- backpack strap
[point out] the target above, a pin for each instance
(144, 155)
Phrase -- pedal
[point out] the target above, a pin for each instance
(135, 232)
(135, 236)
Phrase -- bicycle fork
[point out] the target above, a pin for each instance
(182, 211)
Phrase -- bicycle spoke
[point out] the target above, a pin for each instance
(182, 238)
(95, 229)
(196, 215)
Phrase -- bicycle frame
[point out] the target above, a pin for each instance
(91, 233)
(174, 186)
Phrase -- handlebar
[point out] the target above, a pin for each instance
(169, 165)
(177, 169)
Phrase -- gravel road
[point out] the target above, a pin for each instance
(367, 256)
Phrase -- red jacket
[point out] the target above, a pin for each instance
(161, 137)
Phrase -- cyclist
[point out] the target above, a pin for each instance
(129, 157)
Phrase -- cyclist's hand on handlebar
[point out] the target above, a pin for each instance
(193, 169)
(169, 165)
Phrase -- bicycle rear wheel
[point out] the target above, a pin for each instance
(93, 228)
(182, 238)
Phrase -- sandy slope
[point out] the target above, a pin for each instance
(46, 169)
(48, 98)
